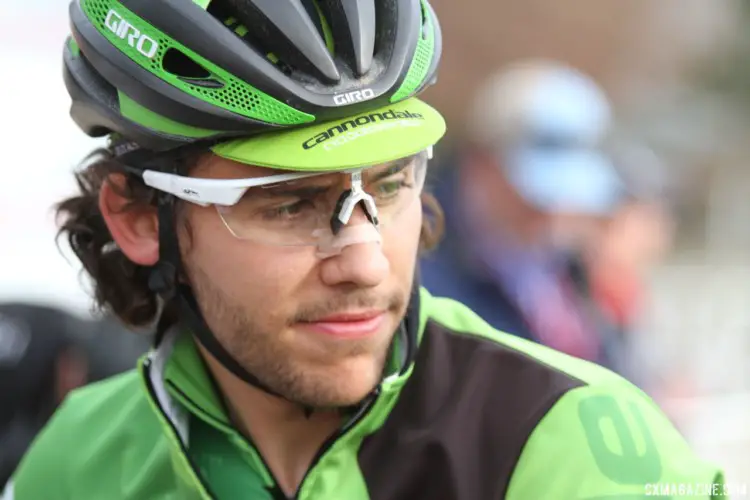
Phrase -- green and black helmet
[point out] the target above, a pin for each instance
(171, 72)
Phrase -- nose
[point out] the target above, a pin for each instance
(361, 264)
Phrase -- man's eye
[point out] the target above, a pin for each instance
(390, 187)
(287, 211)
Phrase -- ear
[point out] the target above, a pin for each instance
(135, 229)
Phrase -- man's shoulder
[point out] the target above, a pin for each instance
(614, 438)
(460, 324)
(102, 433)
(100, 403)
(522, 381)
(115, 403)
(126, 386)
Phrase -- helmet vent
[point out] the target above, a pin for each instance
(353, 29)
(287, 30)
(253, 38)
(181, 65)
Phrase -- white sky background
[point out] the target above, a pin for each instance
(41, 147)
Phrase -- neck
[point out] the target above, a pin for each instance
(286, 437)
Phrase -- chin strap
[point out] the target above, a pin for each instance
(165, 280)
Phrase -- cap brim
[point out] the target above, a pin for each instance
(368, 138)
(578, 182)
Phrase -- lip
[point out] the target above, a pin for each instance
(347, 325)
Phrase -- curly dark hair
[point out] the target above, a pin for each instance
(120, 285)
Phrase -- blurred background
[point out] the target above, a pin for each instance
(594, 178)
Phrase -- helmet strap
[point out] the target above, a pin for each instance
(165, 280)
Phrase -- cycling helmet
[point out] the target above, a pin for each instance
(171, 72)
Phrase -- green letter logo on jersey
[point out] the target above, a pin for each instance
(613, 442)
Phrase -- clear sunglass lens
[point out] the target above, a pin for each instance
(293, 213)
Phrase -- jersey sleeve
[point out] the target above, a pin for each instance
(610, 442)
(42, 471)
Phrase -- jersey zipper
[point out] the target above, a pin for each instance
(360, 415)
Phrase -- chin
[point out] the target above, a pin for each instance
(352, 382)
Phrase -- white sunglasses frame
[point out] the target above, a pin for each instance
(224, 192)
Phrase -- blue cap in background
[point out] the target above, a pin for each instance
(547, 122)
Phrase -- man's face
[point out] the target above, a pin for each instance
(278, 309)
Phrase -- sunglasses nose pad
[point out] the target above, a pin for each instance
(338, 213)
(348, 201)
(345, 206)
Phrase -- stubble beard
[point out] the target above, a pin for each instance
(273, 363)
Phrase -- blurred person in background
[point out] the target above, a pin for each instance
(634, 240)
(41, 361)
(531, 189)
(613, 266)
(619, 261)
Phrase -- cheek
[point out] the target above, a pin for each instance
(250, 274)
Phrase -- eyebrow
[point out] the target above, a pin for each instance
(392, 169)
